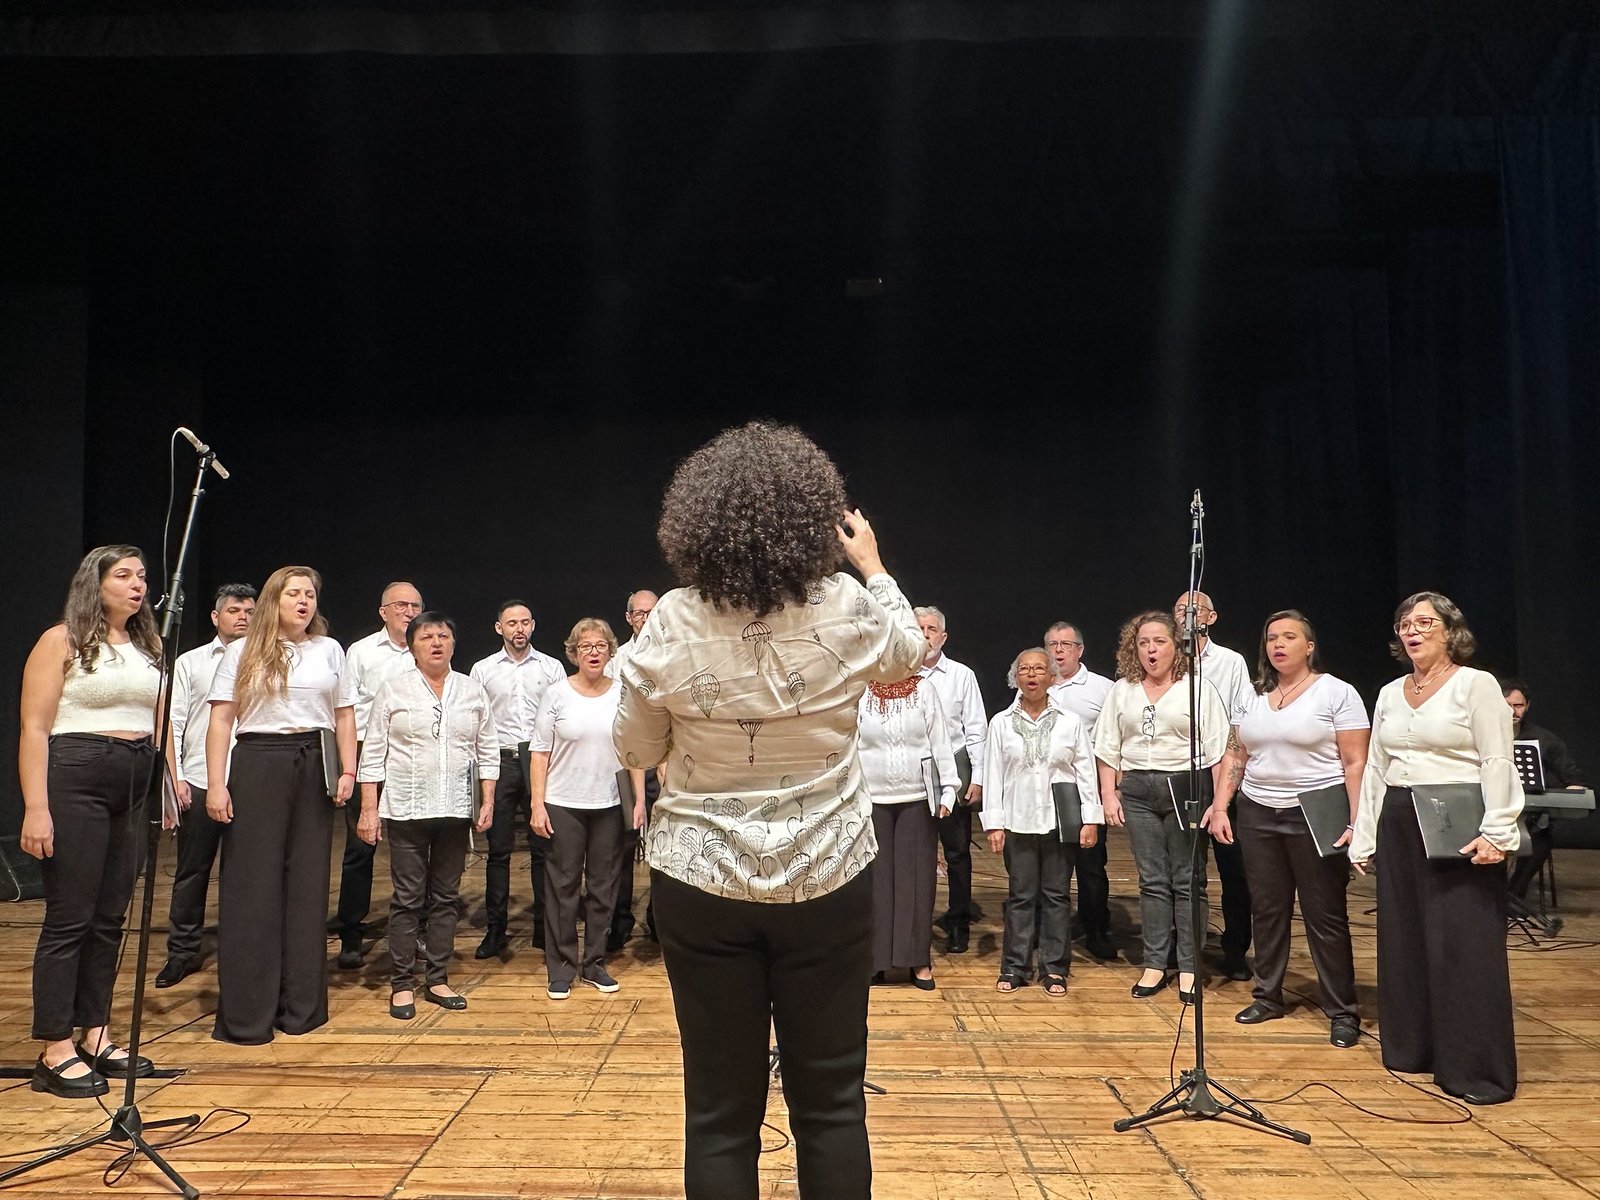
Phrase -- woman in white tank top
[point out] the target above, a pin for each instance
(90, 697)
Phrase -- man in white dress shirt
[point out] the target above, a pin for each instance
(1082, 693)
(368, 663)
(958, 693)
(640, 605)
(1227, 671)
(515, 676)
(198, 834)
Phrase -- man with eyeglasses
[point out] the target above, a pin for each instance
(368, 663)
(516, 678)
(957, 688)
(1083, 693)
(639, 607)
(1225, 670)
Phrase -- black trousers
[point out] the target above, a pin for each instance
(97, 787)
(272, 961)
(355, 877)
(904, 879)
(512, 809)
(1444, 988)
(426, 858)
(955, 835)
(198, 839)
(1281, 859)
(738, 970)
(622, 919)
(586, 846)
(1094, 888)
(1235, 896)
(1039, 870)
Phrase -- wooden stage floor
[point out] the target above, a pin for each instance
(989, 1096)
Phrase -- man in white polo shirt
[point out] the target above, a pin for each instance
(1082, 693)
(367, 664)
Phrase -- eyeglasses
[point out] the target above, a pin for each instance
(407, 605)
(1061, 645)
(1034, 669)
(438, 717)
(592, 647)
(639, 612)
(1419, 624)
(1148, 725)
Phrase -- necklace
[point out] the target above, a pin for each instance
(887, 695)
(1283, 696)
(1418, 688)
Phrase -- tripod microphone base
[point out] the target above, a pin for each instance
(1193, 1097)
(126, 1126)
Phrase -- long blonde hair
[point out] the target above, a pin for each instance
(264, 662)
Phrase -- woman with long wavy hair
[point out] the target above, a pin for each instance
(281, 686)
(1142, 742)
(746, 680)
(91, 692)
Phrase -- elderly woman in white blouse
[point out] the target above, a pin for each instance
(1034, 746)
(1444, 989)
(910, 772)
(430, 726)
(1142, 742)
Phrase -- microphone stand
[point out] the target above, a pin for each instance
(127, 1125)
(1194, 1094)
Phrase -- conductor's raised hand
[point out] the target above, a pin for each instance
(860, 543)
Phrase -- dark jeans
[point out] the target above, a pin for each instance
(586, 847)
(272, 960)
(1163, 854)
(1039, 867)
(622, 919)
(355, 876)
(198, 839)
(512, 809)
(739, 970)
(96, 787)
(955, 835)
(1444, 988)
(426, 858)
(1281, 859)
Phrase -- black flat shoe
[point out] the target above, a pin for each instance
(1185, 997)
(492, 946)
(402, 1012)
(453, 1003)
(1143, 991)
(349, 959)
(925, 985)
(1255, 1014)
(1236, 969)
(956, 941)
(84, 1087)
(1345, 1033)
(115, 1068)
(175, 971)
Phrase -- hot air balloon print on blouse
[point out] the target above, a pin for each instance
(797, 689)
(704, 689)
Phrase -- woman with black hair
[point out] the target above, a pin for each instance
(745, 682)
(90, 701)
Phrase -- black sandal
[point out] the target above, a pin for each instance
(1055, 986)
(1009, 981)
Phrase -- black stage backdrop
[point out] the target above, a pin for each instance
(452, 294)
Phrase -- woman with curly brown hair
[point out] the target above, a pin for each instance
(282, 684)
(1444, 989)
(745, 682)
(90, 695)
(1142, 741)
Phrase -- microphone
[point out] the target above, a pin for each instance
(205, 451)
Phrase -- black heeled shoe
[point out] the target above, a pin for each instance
(81, 1087)
(1142, 991)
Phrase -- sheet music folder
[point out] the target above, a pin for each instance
(1327, 814)
(1450, 815)
(1069, 811)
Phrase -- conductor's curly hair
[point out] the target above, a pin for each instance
(748, 520)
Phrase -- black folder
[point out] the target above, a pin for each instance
(1069, 811)
(1450, 815)
(963, 774)
(1327, 814)
(330, 764)
(1178, 787)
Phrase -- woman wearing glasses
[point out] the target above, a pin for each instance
(1142, 741)
(1444, 988)
(577, 804)
(429, 727)
(1033, 745)
(1302, 731)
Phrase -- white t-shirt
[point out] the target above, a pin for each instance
(315, 688)
(1294, 749)
(575, 730)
